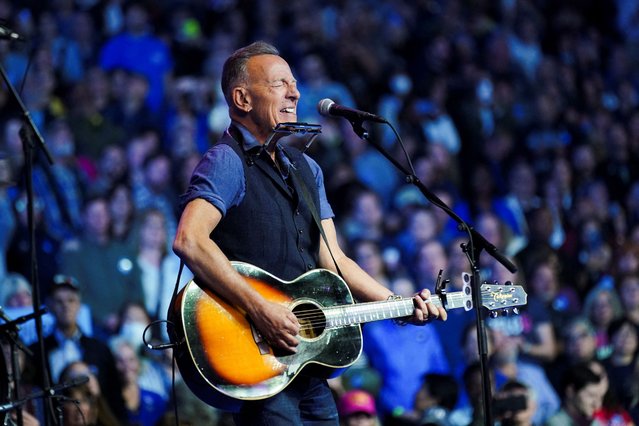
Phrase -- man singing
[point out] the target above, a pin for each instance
(243, 205)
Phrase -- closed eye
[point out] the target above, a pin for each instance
(281, 83)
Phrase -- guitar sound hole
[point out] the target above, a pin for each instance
(312, 320)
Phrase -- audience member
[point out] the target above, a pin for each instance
(68, 343)
(16, 300)
(143, 407)
(509, 366)
(582, 395)
(357, 408)
(545, 287)
(628, 286)
(624, 340)
(158, 266)
(514, 404)
(155, 189)
(367, 254)
(602, 306)
(365, 219)
(430, 259)
(96, 409)
(578, 344)
(138, 50)
(402, 364)
(436, 399)
(108, 284)
(59, 187)
(134, 322)
(47, 247)
(122, 212)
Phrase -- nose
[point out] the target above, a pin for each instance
(293, 93)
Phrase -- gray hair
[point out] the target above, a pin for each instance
(12, 284)
(234, 70)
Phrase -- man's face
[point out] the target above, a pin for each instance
(65, 304)
(272, 93)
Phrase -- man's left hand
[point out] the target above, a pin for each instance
(426, 311)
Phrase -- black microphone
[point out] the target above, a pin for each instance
(8, 34)
(327, 107)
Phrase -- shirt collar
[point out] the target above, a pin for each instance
(60, 337)
(249, 143)
(248, 140)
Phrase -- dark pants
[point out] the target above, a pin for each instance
(306, 401)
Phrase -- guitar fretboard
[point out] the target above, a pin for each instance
(359, 313)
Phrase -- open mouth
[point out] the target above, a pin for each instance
(289, 110)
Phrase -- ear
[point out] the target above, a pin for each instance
(242, 99)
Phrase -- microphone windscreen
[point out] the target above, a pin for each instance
(324, 106)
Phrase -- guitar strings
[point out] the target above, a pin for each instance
(308, 314)
(317, 317)
(312, 318)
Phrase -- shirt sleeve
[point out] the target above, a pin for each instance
(326, 212)
(218, 179)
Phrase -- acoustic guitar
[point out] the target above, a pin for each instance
(224, 360)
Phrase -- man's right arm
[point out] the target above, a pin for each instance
(204, 258)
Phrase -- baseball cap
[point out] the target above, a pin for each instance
(357, 401)
(65, 281)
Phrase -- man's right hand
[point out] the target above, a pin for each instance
(278, 325)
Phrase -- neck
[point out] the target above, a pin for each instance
(255, 129)
(576, 416)
(68, 330)
(131, 395)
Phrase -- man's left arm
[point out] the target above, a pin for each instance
(364, 287)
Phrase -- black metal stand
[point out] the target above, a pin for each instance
(30, 137)
(473, 249)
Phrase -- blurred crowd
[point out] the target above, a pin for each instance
(521, 115)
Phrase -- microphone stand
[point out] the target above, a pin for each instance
(53, 392)
(473, 249)
(31, 137)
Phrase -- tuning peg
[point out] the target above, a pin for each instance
(506, 312)
(494, 314)
(516, 311)
(508, 283)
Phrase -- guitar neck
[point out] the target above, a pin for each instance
(359, 313)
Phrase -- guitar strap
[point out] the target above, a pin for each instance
(298, 183)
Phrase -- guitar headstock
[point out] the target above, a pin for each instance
(502, 296)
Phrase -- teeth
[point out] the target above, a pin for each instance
(289, 110)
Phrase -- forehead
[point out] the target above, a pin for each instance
(268, 68)
(64, 293)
